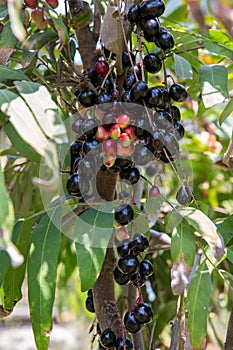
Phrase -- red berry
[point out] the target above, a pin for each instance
(109, 160)
(101, 134)
(102, 68)
(52, 3)
(130, 131)
(125, 151)
(154, 192)
(123, 121)
(110, 147)
(31, 3)
(124, 140)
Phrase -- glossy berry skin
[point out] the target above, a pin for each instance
(123, 344)
(184, 195)
(142, 155)
(128, 264)
(156, 142)
(152, 8)
(140, 242)
(131, 174)
(134, 14)
(124, 247)
(171, 143)
(151, 29)
(129, 81)
(91, 145)
(73, 185)
(87, 98)
(89, 127)
(143, 313)
(108, 338)
(103, 98)
(178, 92)
(120, 277)
(138, 90)
(126, 58)
(102, 68)
(152, 63)
(76, 147)
(162, 119)
(154, 192)
(153, 97)
(179, 130)
(165, 39)
(165, 99)
(141, 128)
(87, 168)
(131, 324)
(175, 112)
(32, 4)
(135, 70)
(146, 268)
(124, 214)
(90, 304)
(138, 279)
(123, 163)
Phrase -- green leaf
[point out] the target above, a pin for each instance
(93, 228)
(183, 244)
(229, 255)
(205, 227)
(15, 276)
(90, 261)
(221, 37)
(5, 263)
(153, 207)
(3, 10)
(7, 38)
(225, 229)
(39, 39)
(182, 67)
(20, 145)
(62, 31)
(198, 302)
(213, 82)
(42, 271)
(7, 73)
(218, 49)
(228, 111)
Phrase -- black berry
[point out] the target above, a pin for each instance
(178, 92)
(152, 63)
(131, 324)
(73, 185)
(152, 8)
(146, 268)
(123, 344)
(184, 195)
(87, 98)
(131, 174)
(120, 277)
(143, 313)
(108, 338)
(124, 214)
(140, 242)
(139, 90)
(128, 264)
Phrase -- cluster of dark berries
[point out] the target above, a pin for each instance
(129, 268)
(137, 316)
(108, 339)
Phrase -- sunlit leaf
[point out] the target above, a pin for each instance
(62, 32)
(42, 271)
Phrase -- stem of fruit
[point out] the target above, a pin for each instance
(140, 52)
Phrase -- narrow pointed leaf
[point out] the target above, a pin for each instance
(225, 229)
(42, 271)
(198, 303)
(227, 112)
(5, 263)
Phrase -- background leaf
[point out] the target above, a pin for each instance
(227, 111)
(198, 303)
(182, 67)
(213, 82)
(225, 229)
(42, 271)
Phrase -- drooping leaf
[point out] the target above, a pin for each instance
(182, 67)
(227, 111)
(213, 82)
(198, 303)
(183, 249)
(205, 227)
(62, 31)
(15, 275)
(42, 271)
(225, 229)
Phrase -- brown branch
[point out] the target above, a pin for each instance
(228, 153)
(196, 11)
(229, 336)
(224, 13)
(97, 21)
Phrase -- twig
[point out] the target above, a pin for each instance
(229, 151)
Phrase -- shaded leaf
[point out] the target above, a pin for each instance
(198, 302)
(153, 207)
(62, 32)
(225, 229)
(42, 271)
(7, 38)
(7, 73)
(182, 67)
(5, 53)
(213, 82)
(39, 39)
(5, 263)
(228, 111)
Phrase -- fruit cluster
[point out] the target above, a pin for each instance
(37, 15)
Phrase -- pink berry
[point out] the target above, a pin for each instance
(110, 147)
(114, 132)
(101, 134)
(124, 140)
(123, 121)
(154, 192)
(130, 131)
(102, 68)
(125, 151)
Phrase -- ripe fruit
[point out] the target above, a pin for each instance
(108, 338)
(101, 134)
(151, 29)
(91, 145)
(162, 119)
(165, 103)
(126, 58)
(134, 14)
(102, 68)
(128, 264)
(131, 324)
(124, 247)
(76, 147)
(137, 279)
(123, 121)
(87, 98)
(124, 214)
(179, 130)
(120, 277)
(123, 344)
(184, 195)
(156, 142)
(139, 90)
(152, 63)
(142, 155)
(152, 8)
(171, 143)
(131, 174)
(165, 39)
(73, 185)
(89, 301)
(87, 168)
(103, 98)
(142, 127)
(175, 114)
(140, 242)
(32, 4)
(154, 192)
(89, 127)
(178, 92)
(143, 313)
(146, 268)
(52, 3)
